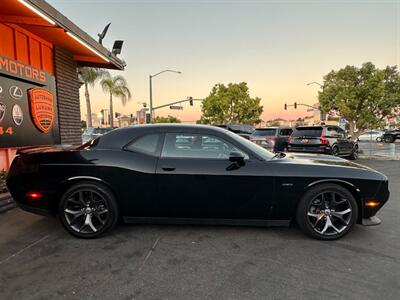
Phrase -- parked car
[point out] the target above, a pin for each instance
(391, 135)
(243, 130)
(193, 174)
(324, 139)
(272, 138)
(371, 136)
(93, 133)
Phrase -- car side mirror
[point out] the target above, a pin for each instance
(237, 157)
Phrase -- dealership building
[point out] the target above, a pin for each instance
(40, 53)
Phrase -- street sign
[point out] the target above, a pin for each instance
(176, 107)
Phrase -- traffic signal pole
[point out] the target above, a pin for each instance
(189, 99)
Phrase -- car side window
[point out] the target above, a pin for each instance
(332, 132)
(341, 133)
(145, 144)
(286, 132)
(188, 145)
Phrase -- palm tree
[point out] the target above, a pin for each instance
(89, 76)
(115, 86)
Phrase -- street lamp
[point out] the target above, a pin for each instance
(151, 89)
(314, 82)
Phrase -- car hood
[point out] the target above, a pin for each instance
(323, 159)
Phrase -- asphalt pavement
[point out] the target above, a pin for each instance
(39, 260)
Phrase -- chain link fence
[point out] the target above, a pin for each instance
(379, 150)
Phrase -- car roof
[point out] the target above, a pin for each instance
(120, 137)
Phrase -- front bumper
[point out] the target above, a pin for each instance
(371, 221)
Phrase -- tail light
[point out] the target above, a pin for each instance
(33, 195)
(323, 140)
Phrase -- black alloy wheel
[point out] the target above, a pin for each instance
(335, 151)
(388, 139)
(354, 154)
(327, 212)
(88, 210)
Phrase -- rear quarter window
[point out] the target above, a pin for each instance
(147, 144)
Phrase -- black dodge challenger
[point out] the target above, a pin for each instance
(193, 174)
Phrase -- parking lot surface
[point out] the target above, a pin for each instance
(39, 260)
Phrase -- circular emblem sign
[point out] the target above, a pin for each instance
(42, 108)
(16, 92)
(2, 111)
(17, 114)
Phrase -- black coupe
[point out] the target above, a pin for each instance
(193, 174)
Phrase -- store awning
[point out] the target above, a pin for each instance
(43, 20)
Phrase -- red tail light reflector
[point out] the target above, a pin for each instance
(33, 195)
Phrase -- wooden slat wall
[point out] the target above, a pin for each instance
(19, 44)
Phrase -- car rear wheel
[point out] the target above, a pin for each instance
(327, 212)
(88, 210)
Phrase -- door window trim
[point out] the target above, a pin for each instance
(248, 158)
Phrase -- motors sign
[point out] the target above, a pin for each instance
(15, 68)
(28, 106)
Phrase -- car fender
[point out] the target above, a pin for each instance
(352, 188)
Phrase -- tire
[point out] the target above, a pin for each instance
(335, 151)
(313, 219)
(88, 210)
(354, 154)
(388, 139)
(379, 139)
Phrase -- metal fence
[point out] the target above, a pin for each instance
(379, 150)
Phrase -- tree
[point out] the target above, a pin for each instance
(89, 76)
(363, 96)
(231, 104)
(115, 86)
(169, 119)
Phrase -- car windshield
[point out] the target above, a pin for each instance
(307, 132)
(265, 131)
(260, 151)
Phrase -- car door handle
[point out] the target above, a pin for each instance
(168, 169)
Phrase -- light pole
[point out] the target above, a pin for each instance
(314, 82)
(151, 89)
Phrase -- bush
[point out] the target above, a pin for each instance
(3, 175)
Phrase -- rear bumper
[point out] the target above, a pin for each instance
(315, 149)
(36, 210)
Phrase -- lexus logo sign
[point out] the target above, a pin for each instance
(16, 92)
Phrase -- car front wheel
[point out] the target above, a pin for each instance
(327, 212)
(388, 139)
(88, 210)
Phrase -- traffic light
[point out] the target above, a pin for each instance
(191, 101)
(285, 106)
(295, 105)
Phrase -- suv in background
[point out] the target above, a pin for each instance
(391, 135)
(325, 139)
(240, 129)
(272, 138)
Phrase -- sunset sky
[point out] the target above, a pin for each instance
(277, 47)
